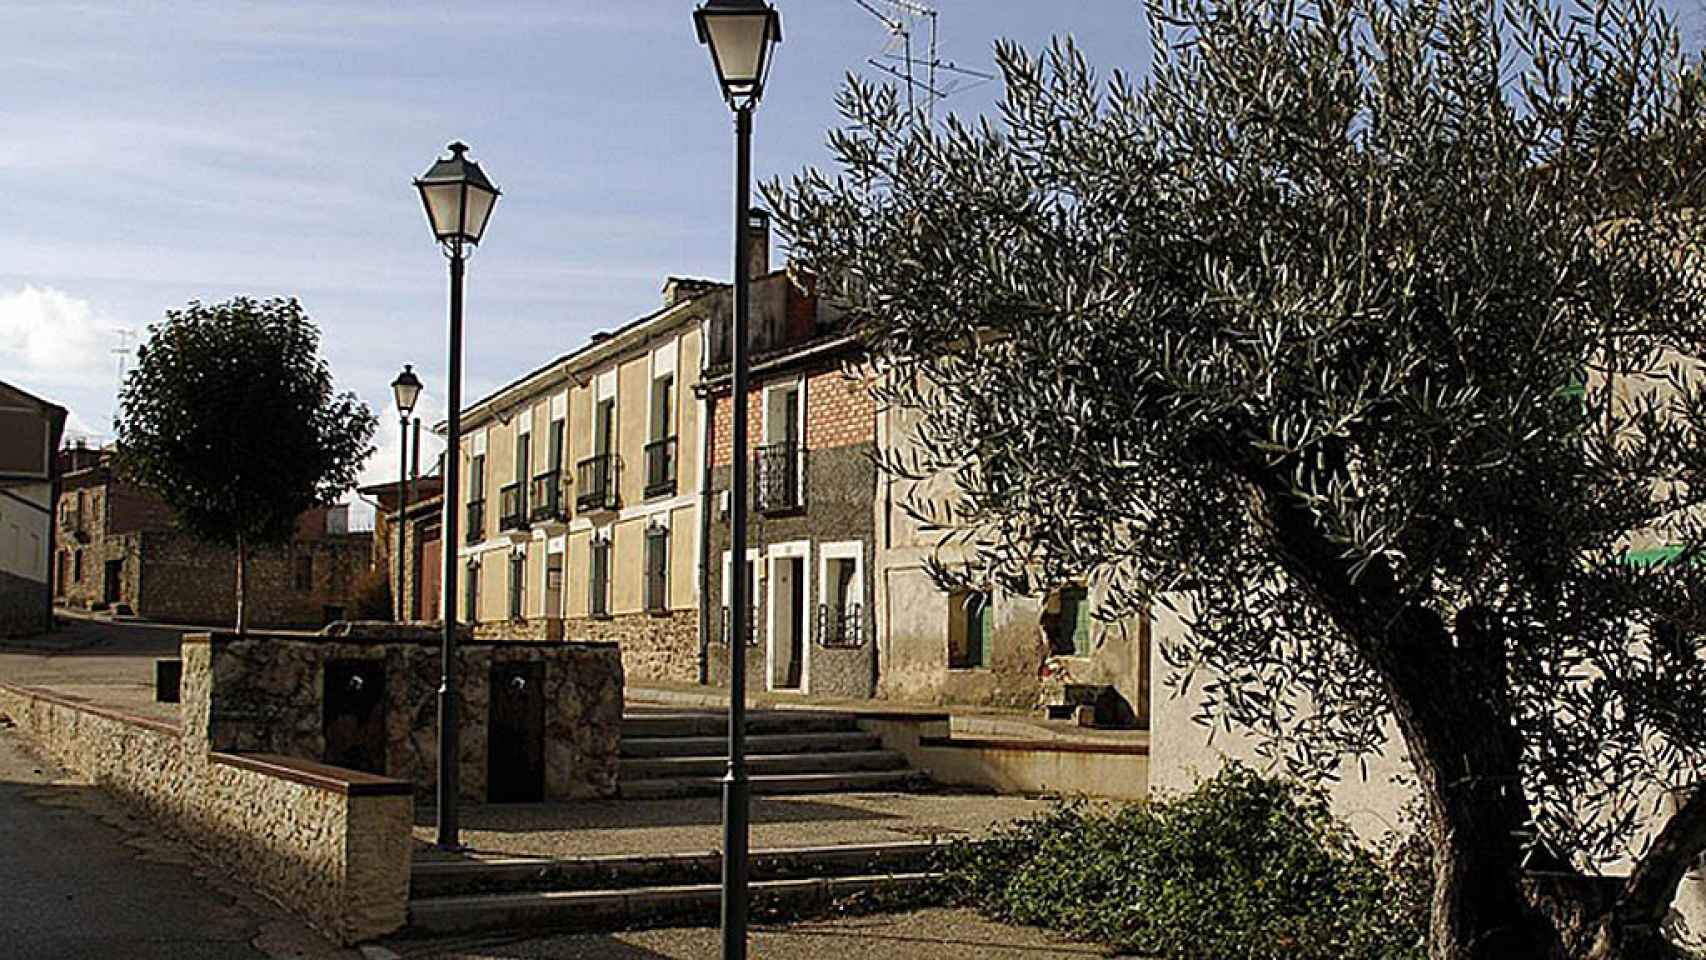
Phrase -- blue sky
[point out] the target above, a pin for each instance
(158, 152)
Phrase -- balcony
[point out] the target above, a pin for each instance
(595, 484)
(476, 521)
(546, 496)
(777, 479)
(512, 508)
(840, 628)
(660, 468)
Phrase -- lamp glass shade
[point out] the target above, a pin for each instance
(740, 34)
(458, 197)
(407, 389)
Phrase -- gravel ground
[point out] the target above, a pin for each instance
(922, 935)
(694, 824)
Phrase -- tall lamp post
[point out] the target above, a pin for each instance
(740, 34)
(406, 389)
(458, 200)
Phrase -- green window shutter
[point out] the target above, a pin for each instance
(1075, 620)
(982, 638)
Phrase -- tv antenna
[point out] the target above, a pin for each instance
(912, 25)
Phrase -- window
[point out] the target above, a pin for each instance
(663, 411)
(1072, 628)
(518, 586)
(840, 619)
(556, 445)
(477, 478)
(604, 427)
(305, 573)
(77, 566)
(657, 570)
(471, 593)
(971, 629)
(523, 457)
(598, 597)
(752, 621)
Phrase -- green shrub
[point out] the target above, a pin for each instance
(1245, 866)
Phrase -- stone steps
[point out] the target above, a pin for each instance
(836, 742)
(608, 893)
(440, 878)
(758, 723)
(760, 764)
(670, 754)
(862, 781)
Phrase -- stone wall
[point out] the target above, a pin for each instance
(839, 490)
(332, 845)
(266, 695)
(183, 580)
(654, 646)
(24, 606)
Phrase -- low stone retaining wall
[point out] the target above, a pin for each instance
(332, 845)
(268, 694)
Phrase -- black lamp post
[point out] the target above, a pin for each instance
(458, 200)
(740, 34)
(407, 389)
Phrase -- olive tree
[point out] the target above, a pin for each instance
(1360, 330)
(231, 416)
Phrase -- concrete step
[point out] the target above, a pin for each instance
(645, 906)
(715, 724)
(876, 781)
(644, 747)
(440, 878)
(664, 768)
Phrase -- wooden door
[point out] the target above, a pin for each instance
(515, 752)
(353, 714)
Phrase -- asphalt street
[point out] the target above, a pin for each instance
(79, 878)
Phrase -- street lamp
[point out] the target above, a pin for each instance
(458, 200)
(740, 34)
(406, 389)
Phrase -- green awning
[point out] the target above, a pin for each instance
(1652, 556)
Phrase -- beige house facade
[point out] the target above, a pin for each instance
(581, 485)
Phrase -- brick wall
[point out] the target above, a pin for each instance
(840, 412)
(187, 581)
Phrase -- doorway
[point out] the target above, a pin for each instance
(787, 623)
(111, 583)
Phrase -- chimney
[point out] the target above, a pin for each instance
(758, 242)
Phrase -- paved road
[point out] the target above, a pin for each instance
(80, 879)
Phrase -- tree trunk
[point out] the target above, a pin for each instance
(1449, 702)
(242, 585)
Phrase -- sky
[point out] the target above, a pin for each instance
(160, 152)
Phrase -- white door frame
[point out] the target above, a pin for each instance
(800, 550)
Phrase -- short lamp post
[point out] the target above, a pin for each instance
(458, 200)
(406, 389)
(741, 35)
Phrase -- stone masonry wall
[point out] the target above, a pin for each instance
(266, 695)
(840, 485)
(335, 852)
(186, 581)
(654, 646)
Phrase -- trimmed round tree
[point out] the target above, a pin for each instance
(231, 416)
(1367, 333)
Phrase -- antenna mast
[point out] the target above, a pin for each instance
(903, 19)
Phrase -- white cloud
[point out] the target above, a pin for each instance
(49, 336)
(382, 466)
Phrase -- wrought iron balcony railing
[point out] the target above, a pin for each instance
(595, 483)
(724, 626)
(476, 521)
(777, 478)
(840, 627)
(660, 467)
(546, 498)
(512, 507)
